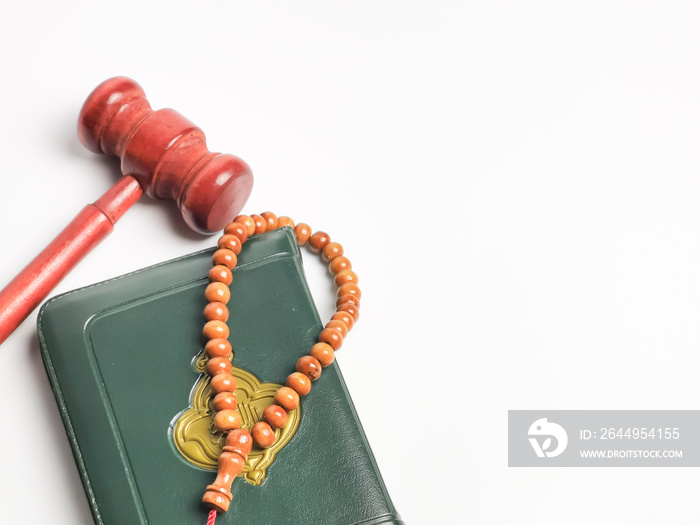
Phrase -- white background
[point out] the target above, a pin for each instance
(516, 183)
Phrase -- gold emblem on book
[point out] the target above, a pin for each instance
(200, 443)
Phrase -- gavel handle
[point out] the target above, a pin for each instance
(31, 286)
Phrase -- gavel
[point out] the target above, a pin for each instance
(163, 154)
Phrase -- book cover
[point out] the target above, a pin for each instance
(124, 361)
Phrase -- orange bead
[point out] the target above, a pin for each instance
(223, 383)
(299, 382)
(340, 263)
(225, 401)
(331, 251)
(260, 224)
(237, 229)
(345, 318)
(345, 277)
(227, 420)
(310, 367)
(225, 257)
(216, 329)
(324, 353)
(230, 242)
(217, 292)
(246, 221)
(303, 233)
(318, 240)
(348, 298)
(338, 325)
(287, 398)
(350, 288)
(331, 336)
(284, 221)
(216, 311)
(218, 348)
(218, 365)
(240, 441)
(271, 220)
(220, 274)
(351, 309)
(263, 434)
(275, 416)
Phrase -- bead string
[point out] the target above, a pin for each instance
(227, 419)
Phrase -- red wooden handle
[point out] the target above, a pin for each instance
(26, 291)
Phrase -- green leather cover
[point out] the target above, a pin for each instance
(119, 355)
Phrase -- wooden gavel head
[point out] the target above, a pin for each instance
(165, 153)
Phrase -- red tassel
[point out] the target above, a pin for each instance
(212, 518)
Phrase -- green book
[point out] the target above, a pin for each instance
(124, 360)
